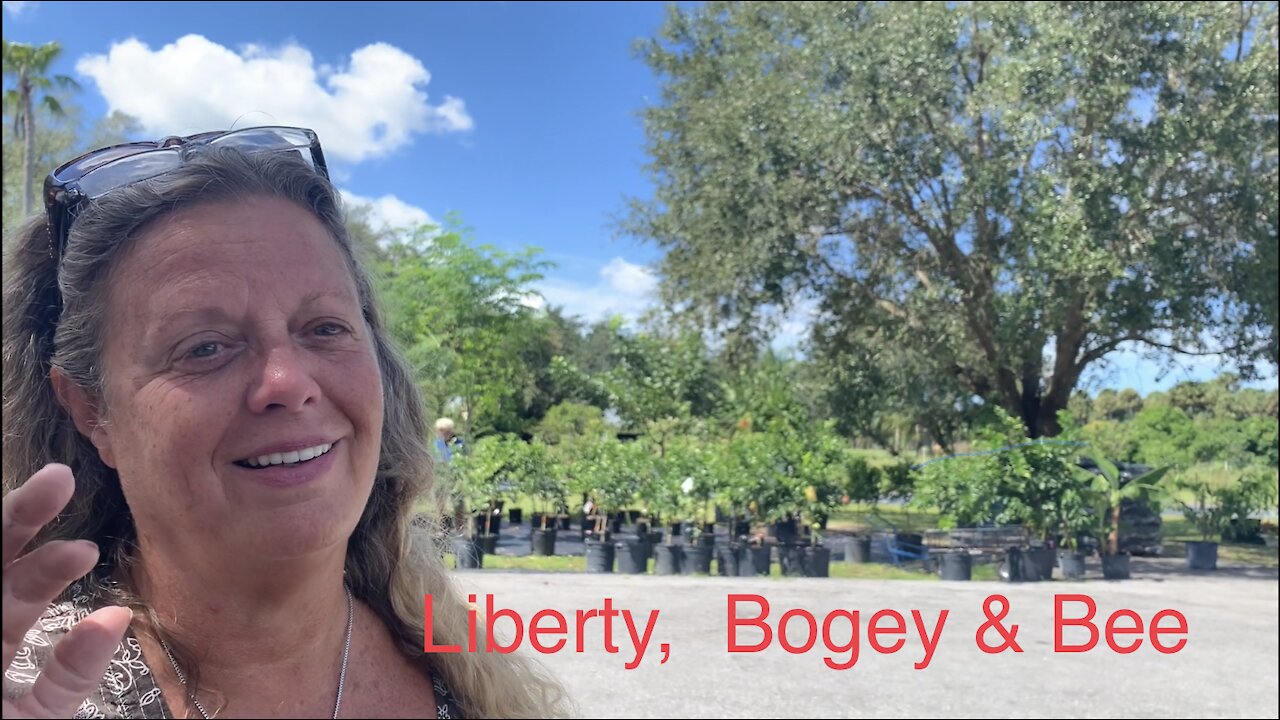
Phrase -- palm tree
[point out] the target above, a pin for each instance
(28, 65)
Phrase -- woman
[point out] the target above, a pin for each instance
(190, 332)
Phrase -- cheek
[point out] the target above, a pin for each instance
(164, 426)
(358, 388)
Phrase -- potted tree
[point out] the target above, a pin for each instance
(1078, 519)
(862, 489)
(818, 468)
(898, 483)
(667, 494)
(477, 477)
(688, 461)
(1217, 505)
(611, 472)
(1012, 481)
(540, 480)
(1109, 491)
(762, 482)
(732, 488)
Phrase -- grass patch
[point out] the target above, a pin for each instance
(840, 570)
(1176, 531)
(533, 563)
(854, 518)
(987, 572)
(878, 458)
(874, 571)
(1259, 555)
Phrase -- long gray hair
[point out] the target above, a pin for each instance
(55, 316)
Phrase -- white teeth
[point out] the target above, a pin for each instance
(289, 458)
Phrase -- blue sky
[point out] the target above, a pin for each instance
(521, 117)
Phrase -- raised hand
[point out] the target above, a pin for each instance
(33, 580)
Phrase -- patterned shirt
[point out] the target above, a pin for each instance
(128, 689)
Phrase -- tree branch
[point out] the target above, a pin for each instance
(1097, 353)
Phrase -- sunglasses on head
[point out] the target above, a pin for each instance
(98, 172)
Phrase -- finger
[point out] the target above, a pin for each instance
(79, 662)
(32, 582)
(32, 506)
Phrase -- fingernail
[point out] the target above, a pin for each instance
(89, 544)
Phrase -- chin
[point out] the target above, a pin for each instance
(298, 534)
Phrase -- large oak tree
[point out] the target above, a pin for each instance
(980, 200)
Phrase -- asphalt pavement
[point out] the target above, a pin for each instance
(1229, 666)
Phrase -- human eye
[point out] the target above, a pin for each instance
(204, 351)
(329, 328)
(203, 354)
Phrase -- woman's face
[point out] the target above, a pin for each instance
(244, 401)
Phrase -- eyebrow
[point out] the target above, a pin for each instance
(340, 295)
(163, 325)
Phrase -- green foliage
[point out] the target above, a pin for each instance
(1217, 504)
(763, 478)
(459, 310)
(1103, 495)
(610, 472)
(682, 479)
(27, 67)
(979, 198)
(762, 395)
(1120, 406)
(1033, 484)
(1162, 434)
(497, 464)
(898, 481)
(55, 140)
(862, 484)
(569, 420)
(817, 457)
(648, 378)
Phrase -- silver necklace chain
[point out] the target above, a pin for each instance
(342, 675)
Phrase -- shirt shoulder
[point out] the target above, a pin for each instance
(448, 707)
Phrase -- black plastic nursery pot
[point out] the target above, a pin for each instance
(468, 554)
(697, 558)
(543, 542)
(957, 565)
(632, 556)
(1071, 564)
(668, 559)
(600, 556)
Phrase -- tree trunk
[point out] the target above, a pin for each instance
(1113, 537)
(28, 156)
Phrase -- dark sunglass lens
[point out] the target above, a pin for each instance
(86, 163)
(129, 169)
(274, 138)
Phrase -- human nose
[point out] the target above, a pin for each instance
(284, 381)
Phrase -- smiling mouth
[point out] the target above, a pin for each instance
(290, 459)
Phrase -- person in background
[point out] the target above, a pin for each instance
(447, 443)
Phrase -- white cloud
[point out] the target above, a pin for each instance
(629, 278)
(367, 108)
(627, 289)
(624, 288)
(389, 212)
(17, 7)
(533, 300)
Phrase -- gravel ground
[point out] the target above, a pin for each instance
(1229, 667)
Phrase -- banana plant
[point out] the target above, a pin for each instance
(1109, 491)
